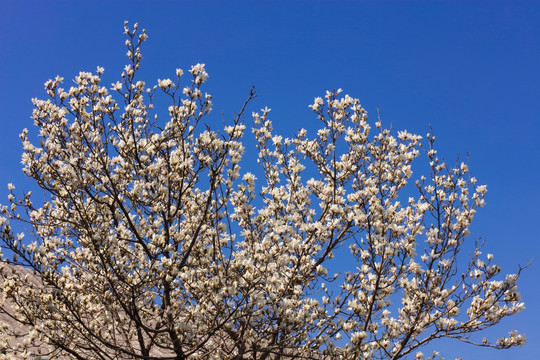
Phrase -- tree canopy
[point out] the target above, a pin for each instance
(151, 242)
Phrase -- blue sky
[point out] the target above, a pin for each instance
(470, 69)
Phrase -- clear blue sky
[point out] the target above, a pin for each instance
(470, 69)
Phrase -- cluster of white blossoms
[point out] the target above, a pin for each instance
(151, 242)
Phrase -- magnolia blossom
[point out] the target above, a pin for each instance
(150, 240)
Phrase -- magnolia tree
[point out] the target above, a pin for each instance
(150, 241)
